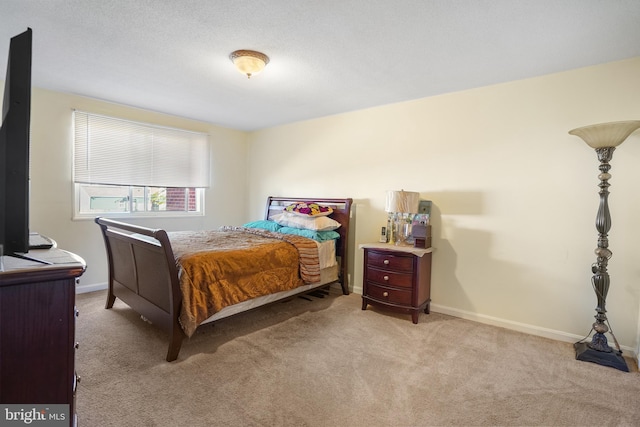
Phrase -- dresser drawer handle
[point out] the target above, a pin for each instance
(385, 294)
(385, 262)
(386, 277)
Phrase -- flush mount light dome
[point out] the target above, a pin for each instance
(249, 62)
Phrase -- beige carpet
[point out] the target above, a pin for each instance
(326, 362)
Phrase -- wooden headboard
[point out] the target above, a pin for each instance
(341, 213)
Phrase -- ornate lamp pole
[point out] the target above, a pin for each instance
(604, 138)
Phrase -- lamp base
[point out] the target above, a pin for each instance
(612, 359)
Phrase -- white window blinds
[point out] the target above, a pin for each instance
(120, 152)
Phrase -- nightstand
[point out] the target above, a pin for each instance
(397, 278)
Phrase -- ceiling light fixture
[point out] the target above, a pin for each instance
(249, 62)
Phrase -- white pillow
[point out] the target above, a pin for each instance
(316, 223)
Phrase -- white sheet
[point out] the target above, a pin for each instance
(327, 253)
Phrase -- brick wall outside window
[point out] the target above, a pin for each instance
(175, 199)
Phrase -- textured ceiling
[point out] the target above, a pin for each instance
(327, 56)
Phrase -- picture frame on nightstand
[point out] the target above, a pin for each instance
(424, 207)
(421, 235)
(420, 228)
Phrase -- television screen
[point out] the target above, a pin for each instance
(14, 147)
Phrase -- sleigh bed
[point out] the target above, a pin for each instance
(180, 280)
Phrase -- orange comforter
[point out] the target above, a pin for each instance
(234, 264)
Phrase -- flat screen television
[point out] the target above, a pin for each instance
(14, 147)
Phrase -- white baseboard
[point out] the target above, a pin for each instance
(83, 289)
(515, 326)
(520, 327)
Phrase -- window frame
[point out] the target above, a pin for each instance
(82, 189)
(78, 214)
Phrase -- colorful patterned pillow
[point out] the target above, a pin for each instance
(308, 209)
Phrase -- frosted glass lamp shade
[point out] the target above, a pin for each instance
(249, 62)
(606, 134)
(402, 201)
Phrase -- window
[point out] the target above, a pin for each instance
(134, 169)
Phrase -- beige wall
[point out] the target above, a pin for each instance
(515, 196)
(51, 173)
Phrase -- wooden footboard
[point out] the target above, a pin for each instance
(144, 275)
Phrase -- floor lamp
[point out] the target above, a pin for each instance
(604, 138)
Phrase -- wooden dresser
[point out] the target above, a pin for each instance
(37, 330)
(397, 278)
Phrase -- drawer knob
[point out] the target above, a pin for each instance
(385, 294)
(386, 277)
(385, 262)
(77, 346)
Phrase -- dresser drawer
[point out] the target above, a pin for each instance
(391, 278)
(387, 261)
(389, 295)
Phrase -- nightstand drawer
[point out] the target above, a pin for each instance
(389, 261)
(389, 295)
(391, 278)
